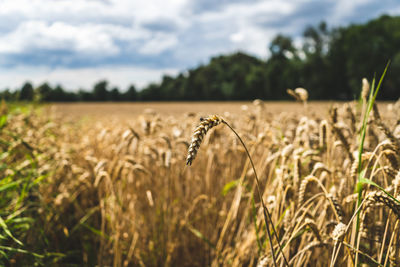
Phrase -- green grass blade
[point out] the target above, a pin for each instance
(201, 236)
(4, 226)
(371, 100)
(368, 181)
(11, 185)
(18, 250)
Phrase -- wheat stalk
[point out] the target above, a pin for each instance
(197, 138)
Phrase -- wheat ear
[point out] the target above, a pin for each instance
(197, 138)
(199, 134)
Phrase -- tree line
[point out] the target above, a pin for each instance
(45, 93)
(330, 64)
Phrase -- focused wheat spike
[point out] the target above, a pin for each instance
(198, 135)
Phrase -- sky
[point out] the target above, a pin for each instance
(77, 43)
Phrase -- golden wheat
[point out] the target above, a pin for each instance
(118, 186)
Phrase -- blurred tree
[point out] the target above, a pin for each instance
(84, 96)
(44, 92)
(115, 95)
(100, 92)
(26, 93)
(282, 47)
(151, 93)
(365, 49)
(131, 94)
(7, 95)
(315, 67)
(58, 94)
(281, 70)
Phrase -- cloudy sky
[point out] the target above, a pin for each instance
(78, 42)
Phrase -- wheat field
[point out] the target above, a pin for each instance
(108, 185)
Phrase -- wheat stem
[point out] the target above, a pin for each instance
(265, 209)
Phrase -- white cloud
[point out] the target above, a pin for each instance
(235, 28)
(87, 26)
(237, 37)
(37, 34)
(344, 9)
(32, 35)
(86, 10)
(158, 43)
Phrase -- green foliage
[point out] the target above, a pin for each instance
(20, 238)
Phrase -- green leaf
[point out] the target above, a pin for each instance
(23, 220)
(38, 180)
(200, 235)
(18, 250)
(84, 219)
(229, 186)
(9, 185)
(95, 231)
(380, 81)
(7, 231)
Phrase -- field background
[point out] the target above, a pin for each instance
(106, 184)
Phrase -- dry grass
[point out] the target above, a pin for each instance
(119, 192)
